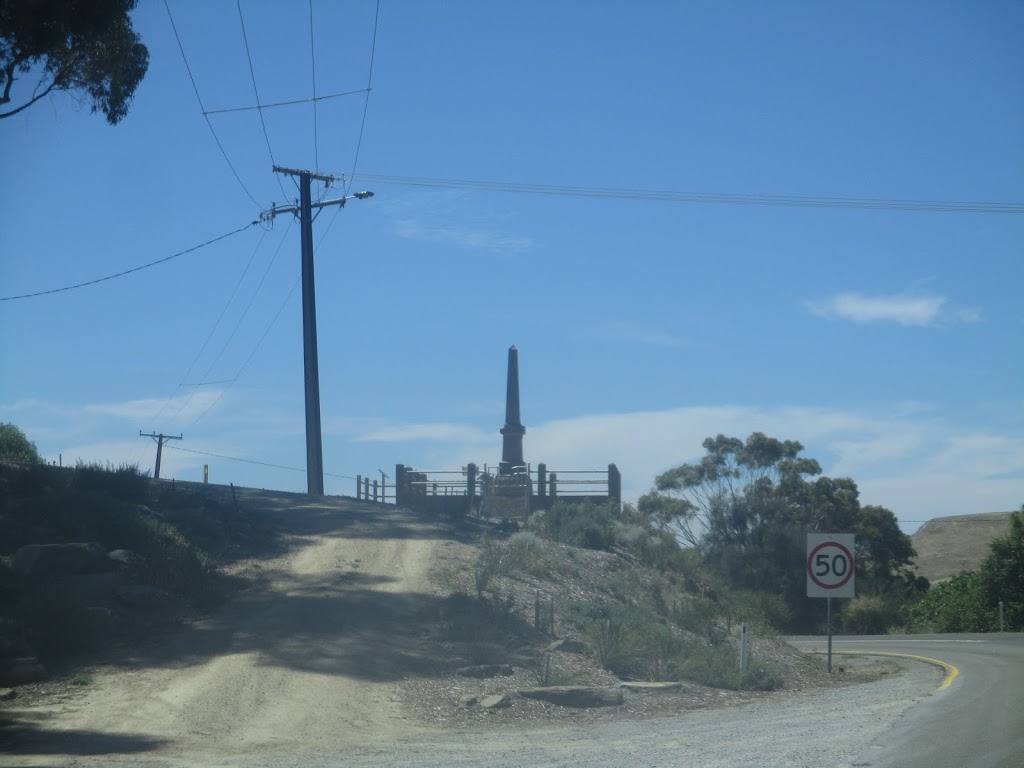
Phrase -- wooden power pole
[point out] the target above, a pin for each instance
(160, 440)
(304, 210)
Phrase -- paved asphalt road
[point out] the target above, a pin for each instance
(976, 721)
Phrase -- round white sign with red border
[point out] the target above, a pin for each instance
(830, 565)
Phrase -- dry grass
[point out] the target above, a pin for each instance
(947, 545)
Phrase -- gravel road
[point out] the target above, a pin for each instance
(307, 668)
(826, 729)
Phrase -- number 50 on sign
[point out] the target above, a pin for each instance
(830, 564)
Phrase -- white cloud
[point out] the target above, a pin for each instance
(435, 432)
(480, 239)
(180, 408)
(969, 315)
(904, 309)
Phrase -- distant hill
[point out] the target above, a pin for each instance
(947, 545)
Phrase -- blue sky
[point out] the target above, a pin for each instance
(887, 341)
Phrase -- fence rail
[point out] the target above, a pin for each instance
(537, 487)
(375, 490)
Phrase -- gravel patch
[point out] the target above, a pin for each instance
(833, 728)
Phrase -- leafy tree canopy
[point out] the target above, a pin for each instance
(83, 46)
(748, 505)
(969, 602)
(15, 446)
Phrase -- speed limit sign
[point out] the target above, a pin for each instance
(830, 564)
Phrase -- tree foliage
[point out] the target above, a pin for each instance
(747, 507)
(82, 46)
(15, 446)
(969, 602)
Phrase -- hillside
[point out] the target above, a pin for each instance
(356, 621)
(947, 545)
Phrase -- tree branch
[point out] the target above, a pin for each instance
(56, 84)
(28, 104)
(9, 72)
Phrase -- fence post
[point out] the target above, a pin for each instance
(375, 491)
(542, 480)
(470, 487)
(359, 487)
(366, 489)
(554, 485)
(614, 483)
(400, 485)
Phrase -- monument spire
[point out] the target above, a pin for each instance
(513, 431)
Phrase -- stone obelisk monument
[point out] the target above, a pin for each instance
(513, 431)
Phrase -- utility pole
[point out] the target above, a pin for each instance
(160, 440)
(304, 210)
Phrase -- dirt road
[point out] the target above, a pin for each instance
(311, 655)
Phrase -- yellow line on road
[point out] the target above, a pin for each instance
(951, 671)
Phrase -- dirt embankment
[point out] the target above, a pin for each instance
(310, 654)
(947, 545)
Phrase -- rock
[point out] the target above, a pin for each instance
(486, 670)
(45, 560)
(90, 588)
(529, 652)
(567, 646)
(498, 701)
(144, 597)
(26, 669)
(470, 701)
(12, 638)
(6, 694)
(124, 558)
(576, 695)
(651, 687)
(104, 617)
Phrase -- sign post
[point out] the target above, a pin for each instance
(830, 569)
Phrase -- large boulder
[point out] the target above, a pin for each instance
(13, 641)
(575, 695)
(645, 687)
(90, 588)
(124, 558)
(40, 561)
(497, 701)
(142, 597)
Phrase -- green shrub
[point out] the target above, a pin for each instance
(125, 482)
(870, 615)
(16, 447)
(956, 605)
(766, 611)
(54, 625)
(580, 524)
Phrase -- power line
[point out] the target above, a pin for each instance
(253, 461)
(944, 206)
(129, 271)
(366, 99)
(238, 324)
(203, 110)
(312, 57)
(231, 382)
(293, 102)
(213, 330)
(252, 354)
(255, 90)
